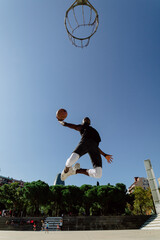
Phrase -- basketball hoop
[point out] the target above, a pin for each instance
(81, 22)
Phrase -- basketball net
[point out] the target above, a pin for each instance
(81, 22)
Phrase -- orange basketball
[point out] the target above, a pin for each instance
(61, 114)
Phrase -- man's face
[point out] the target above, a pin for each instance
(86, 120)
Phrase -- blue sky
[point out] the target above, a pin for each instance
(115, 81)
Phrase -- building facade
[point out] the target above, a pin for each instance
(7, 180)
(139, 182)
(58, 180)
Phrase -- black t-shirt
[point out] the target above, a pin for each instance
(88, 132)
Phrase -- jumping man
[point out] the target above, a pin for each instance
(89, 143)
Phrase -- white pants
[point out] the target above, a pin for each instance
(96, 172)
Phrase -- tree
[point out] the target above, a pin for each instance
(129, 204)
(143, 203)
(104, 198)
(35, 194)
(71, 197)
(112, 199)
(86, 204)
(92, 199)
(119, 199)
(12, 197)
(38, 198)
(56, 202)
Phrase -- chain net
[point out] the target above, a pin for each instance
(81, 22)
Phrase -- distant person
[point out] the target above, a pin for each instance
(34, 227)
(61, 224)
(46, 227)
(43, 225)
(89, 144)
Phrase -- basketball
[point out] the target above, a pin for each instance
(61, 114)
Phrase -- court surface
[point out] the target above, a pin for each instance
(82, 235)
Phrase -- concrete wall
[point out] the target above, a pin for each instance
(78, 223)
(19, 224)
(103, 222)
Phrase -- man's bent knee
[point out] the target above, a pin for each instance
(96, 172)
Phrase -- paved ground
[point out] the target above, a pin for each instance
(83, 235)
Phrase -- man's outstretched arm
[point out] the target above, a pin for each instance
(70, 125)
(107, 156)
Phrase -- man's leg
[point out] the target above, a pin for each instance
(70, 161)
(68, 170)
(96, 172)
(82, 171)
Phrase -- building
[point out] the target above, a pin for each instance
(7, 180)
(139, 182)
(58, 180)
